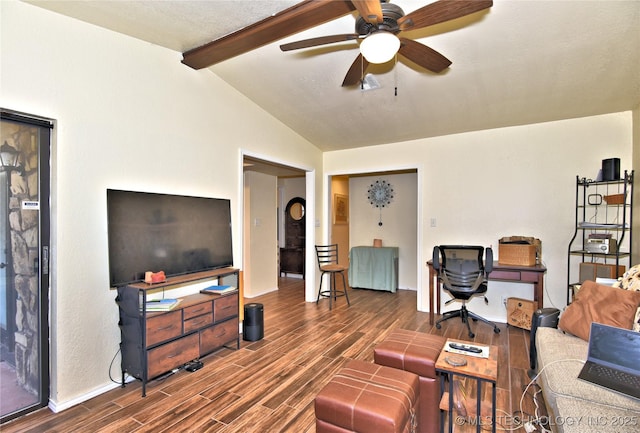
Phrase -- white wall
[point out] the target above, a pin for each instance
(293, 187)
(481, 186)
(340, 231)
(128, 115)
(399, 221)
(262, 230)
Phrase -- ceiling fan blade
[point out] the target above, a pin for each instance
(441, 11)
(302, 16)
(356, 71)
(322, 40)
(369, 10)
(423, 56)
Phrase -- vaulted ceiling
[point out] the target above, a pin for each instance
(519, 62)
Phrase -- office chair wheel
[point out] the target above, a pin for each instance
(496, 330)
(438, 326)
(471, 335)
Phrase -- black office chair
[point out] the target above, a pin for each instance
(464, 275)
(328, 263)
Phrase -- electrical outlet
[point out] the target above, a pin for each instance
(504, 300)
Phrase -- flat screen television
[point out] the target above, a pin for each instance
(161, 232)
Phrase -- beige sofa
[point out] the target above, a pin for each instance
(573, 405)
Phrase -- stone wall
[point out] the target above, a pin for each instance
(24, 238)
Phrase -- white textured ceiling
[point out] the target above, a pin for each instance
(520, 62)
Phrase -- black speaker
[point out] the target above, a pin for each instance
(253, 324)
(611, 169)
(542, 318)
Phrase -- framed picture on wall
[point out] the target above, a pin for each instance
(340, 209)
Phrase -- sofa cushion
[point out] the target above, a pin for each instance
(599, 303)
(560, 359)
(591, 417)
(631, 281)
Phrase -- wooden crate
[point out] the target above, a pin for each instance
(520, 311)
(517, 254)
(519, 251)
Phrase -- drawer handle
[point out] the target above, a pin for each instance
(224, 332)
(198, 322)
(172, 356)
(198, 310)
(227, 307)
(166, 328)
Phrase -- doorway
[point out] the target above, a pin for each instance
(292, 252)
(402, 218)
(25, 144)
(263, 225)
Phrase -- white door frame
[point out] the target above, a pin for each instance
(310, 213)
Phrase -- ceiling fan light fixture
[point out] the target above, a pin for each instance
(380, 47)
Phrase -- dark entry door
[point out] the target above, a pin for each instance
(24, 263)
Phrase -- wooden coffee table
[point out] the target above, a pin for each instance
(479, 369)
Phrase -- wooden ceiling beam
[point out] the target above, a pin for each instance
(297, 18)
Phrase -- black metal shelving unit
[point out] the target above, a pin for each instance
(604, 216)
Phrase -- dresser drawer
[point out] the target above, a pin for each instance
(171, 355)
(198, 322)
(505, 275)
(198, 310)
(164, 327)
(225, 307)
(218, 335)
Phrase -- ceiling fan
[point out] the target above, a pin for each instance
(378, 19)
(380, 28)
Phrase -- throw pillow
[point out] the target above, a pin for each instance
(631, 281)
(599, 303)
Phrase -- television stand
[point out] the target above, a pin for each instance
(154, 343)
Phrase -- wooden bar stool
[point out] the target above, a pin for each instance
(328, 263)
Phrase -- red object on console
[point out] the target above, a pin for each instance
(158, 277)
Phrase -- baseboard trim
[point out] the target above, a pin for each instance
(61, 406)
(264, 292)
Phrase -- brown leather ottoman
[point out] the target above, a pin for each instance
(416, 352)
(368, 398)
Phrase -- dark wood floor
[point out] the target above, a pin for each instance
(269, 385)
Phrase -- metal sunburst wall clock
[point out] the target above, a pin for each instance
(380, 194)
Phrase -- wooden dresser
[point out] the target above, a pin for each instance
(154, 343)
